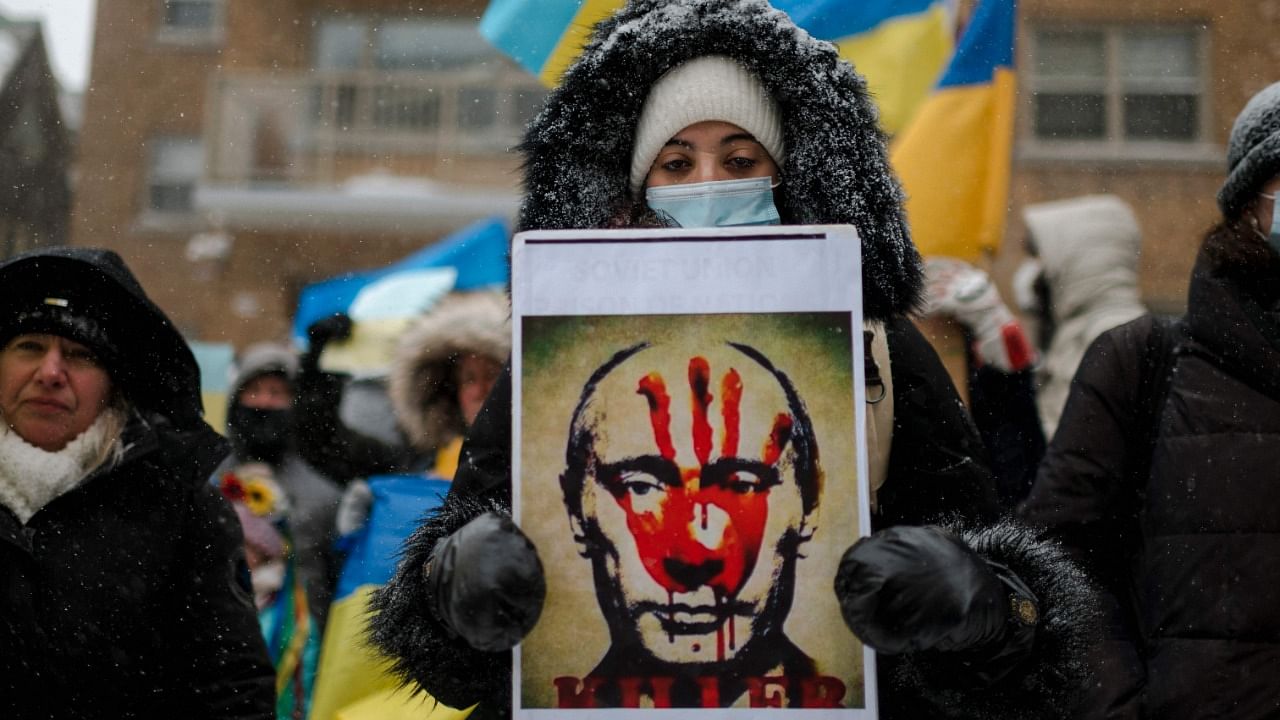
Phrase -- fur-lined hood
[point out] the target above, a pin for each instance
(422, 388)
(578, 150)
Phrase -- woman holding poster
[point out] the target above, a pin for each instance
(702, 113)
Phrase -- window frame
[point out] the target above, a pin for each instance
(197, 37)
(153, 178)
(1115, 145)
(494, 73)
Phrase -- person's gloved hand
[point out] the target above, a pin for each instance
(354, 507)
(966, 293)
(906, 589)
(487, 583)
(323, 331)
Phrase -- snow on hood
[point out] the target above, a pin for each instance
(578, 150)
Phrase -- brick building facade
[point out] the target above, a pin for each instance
(235, 150)
(1157, 84)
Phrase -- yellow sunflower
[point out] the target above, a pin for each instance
(259, 496)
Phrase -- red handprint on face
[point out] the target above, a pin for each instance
(699, 521)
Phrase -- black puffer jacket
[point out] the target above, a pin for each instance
(1191, 549)
(932, 475)
(124, 598)
(127, 596)
(578, 154)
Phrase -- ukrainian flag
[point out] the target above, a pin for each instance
(352, 682)
(901, 46)
(954, 157)
(384, 301)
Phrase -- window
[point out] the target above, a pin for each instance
(1119, 90)
(355, 43)
(191, 21)
(176, 165)
(407, 81)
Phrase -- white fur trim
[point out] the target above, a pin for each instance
(31, 478)
(712, 87)
(467, 322)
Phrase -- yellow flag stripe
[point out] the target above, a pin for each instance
(957, 208)
(902, 59)
(353, 682)
(574, 37)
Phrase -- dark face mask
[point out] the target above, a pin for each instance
(257, 434)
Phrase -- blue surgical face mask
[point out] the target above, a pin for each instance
(720, 203)
(1274, 236)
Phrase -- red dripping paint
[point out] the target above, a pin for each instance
(673, 534)
(730, 402)
(655, 391)
(699, 380)
(778, 438)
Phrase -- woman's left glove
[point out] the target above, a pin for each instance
(907, 589)
(487, 583)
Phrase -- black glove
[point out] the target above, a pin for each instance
(487, 583)
(907, 589)
(321, 332)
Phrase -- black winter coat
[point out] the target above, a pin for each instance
(836, 171)
(934, 474)
(126, 596)
(1190, 549)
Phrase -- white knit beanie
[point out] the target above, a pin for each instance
(711, 87)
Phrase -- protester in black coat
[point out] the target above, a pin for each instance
(1163, 475)
(813, 118)
(123, 587)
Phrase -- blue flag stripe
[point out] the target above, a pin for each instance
(838, 19)
(986, 45)
(526, 31)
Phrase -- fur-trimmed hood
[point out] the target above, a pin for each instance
(421, 385)
(578, 150)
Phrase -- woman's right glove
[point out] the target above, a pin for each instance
(487, 583)
(909, 589)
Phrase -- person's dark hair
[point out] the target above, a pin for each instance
(1237, 251)
(580, 453)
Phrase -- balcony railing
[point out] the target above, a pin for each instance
(324, 127)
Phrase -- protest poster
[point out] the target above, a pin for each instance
(689, 461)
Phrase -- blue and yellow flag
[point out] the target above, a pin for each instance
(384, 301)
(353, 682)
(901, 46)
(954, 157)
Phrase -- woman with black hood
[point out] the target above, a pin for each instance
(723, 112)
(123, 586)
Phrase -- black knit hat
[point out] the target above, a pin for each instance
(90, 296)
(58, 316)
(1253, 153)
